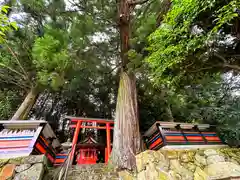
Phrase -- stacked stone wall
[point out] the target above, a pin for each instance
(208, 164)
(24, 168)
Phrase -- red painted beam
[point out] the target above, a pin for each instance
(90, 127)
(93, 120)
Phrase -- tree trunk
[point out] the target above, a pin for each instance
(169, 113)
(127, 139)
(26, 105)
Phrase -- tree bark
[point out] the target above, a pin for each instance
(169, 113)
(127, 139)
(24, 109)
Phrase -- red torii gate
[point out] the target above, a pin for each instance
(76, 122)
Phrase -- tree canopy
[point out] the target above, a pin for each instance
(178, 60)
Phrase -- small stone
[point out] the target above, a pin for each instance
(146, 157)
(191, 166)
(174, 175)
(7, 172)
(222, 170)
(142, 175)
(151, 172)
(200, 160)
(185, 158)
(163, 176)
(125, 175)
(199, 174)
(210, 152)
(16, 161)
(178, 176)
(171, 154)
(22, 167)
(215, 159)
(234, 161)
(179, 169)
(33, 173)
(35, 159)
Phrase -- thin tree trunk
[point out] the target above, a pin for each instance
(26, 105)
(127, 139)
(169, 113)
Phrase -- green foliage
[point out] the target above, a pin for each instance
(212, 101)
(8, 103)
(73, 53)
(6, 24)
(51, 59)
(226, 14)
(175, 48)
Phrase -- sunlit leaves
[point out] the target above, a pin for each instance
(5, 24)
(226, 14)
(174, 47)
(8, 101)
(52, 60)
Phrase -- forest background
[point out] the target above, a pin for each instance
(62, 58)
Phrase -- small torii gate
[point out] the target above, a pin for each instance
(77, 124)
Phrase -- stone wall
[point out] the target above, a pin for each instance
(27, 168)
(210, 164)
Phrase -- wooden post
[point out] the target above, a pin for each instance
(106, 158)
(108, 141)
(161, 132)
(200, 132)
(75, 139)
(178, 127)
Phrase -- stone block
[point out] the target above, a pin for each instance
(142, 175)
(125, 175)
(190, 166)
(215, 159)
(16, 161)
(222, 170)
(199, 174)
(200, 160)
(8, 171)
(185, 158)
(171, 154)
(22, 167)
(33, 159)
(210, 152)
(35, 172)
(179, 169)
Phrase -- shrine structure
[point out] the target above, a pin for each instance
(23, 138)
(176, 135)
(87, 150)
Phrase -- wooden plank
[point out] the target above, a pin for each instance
(164, 124)
(27, 124)
(36, 135)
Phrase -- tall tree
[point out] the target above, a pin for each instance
(35, 57)
(127, 139)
